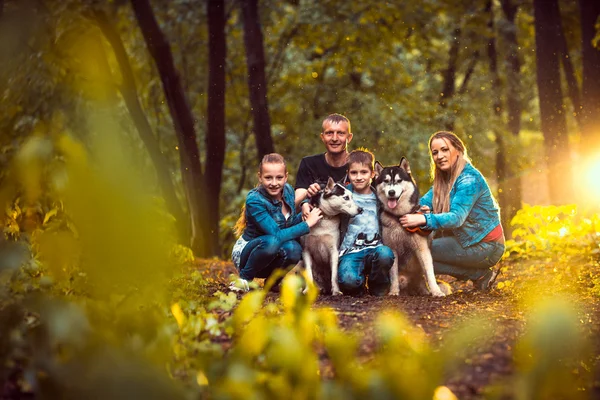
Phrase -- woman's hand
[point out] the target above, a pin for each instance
(306, 207)
(412, 220)
(314, 216)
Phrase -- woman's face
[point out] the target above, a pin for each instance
(273, 178)
(444, 154)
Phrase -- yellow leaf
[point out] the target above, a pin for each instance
(178, 314)
(443, 393)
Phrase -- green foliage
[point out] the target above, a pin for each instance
(556, 232)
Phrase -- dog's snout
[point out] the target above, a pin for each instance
(391, 193)
(360, 210)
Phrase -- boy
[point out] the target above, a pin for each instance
(363, 257)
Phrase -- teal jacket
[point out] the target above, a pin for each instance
(473, 210)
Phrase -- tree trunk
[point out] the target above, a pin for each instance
(129, 92)
(257, 86)
(449, 84)
(502, 164)
(513, 107)
(572, 85)
(215, 126)
(203, 242)
(552, 111)
(590, 111)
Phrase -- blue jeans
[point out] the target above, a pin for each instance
(450, 258)
(374, 263)
(261, 256)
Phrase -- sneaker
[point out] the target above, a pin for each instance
(486, 281)
(239, 285)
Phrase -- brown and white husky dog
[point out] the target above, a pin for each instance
(399, 195)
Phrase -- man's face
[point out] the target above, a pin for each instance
(336, 137)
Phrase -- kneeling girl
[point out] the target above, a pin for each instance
(269, 225)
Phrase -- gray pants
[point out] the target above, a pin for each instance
(450, 258)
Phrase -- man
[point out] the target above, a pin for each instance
(336, 135)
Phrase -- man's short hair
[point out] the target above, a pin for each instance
(336, 119)
(362, 156)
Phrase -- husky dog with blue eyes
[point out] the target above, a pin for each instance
(320, 253)
(413, 265)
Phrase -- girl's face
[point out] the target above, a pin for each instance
(444, 154)
(273, 177)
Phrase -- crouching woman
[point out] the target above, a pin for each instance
(469, 239)
(269, 225)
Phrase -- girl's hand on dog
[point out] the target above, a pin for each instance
(306, 207)
(314, 216)
(412, 220)
(425, 209)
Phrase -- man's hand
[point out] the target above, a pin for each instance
(313, 189)
(306, 209)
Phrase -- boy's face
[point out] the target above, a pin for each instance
(360, 176)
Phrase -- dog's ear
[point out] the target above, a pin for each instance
(330, 184)
(405, 165)
(378, 169)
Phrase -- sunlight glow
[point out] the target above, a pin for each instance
(589, 181)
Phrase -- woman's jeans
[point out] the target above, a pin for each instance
(261, 256)
(374, 263)
(450, 258)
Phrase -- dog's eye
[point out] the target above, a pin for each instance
(346, 197)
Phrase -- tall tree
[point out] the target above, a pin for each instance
(590, 112)
(512, 189)
(552, 111)
(257, 83)
(203, 242)
(502, 163)
(215, 126)
(128, 90)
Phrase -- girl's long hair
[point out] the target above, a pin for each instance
(272, 158)
(443, 181)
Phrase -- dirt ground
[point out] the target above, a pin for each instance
(503, 309)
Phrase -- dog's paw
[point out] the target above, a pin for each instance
(394, 292)
(438, 293)
(336, 292)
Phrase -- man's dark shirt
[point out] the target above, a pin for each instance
(315, 169)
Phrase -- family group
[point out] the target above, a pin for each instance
(459, 209)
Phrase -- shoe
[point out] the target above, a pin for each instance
(486, 281)
(239, 285)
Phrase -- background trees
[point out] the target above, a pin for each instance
(191, 81)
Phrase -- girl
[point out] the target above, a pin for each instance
(469, 240)
(269, 225)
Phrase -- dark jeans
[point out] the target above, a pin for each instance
(263, 255)
(450, 258)
(374, 263)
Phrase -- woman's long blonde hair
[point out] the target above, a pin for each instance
(272, 158)
(443, 181)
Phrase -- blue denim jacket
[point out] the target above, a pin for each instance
(473, 210)
(264, 216)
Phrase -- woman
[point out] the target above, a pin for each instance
(469, 240)
(269, 225)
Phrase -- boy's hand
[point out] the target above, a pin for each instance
(313, 189)
(306, 208)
